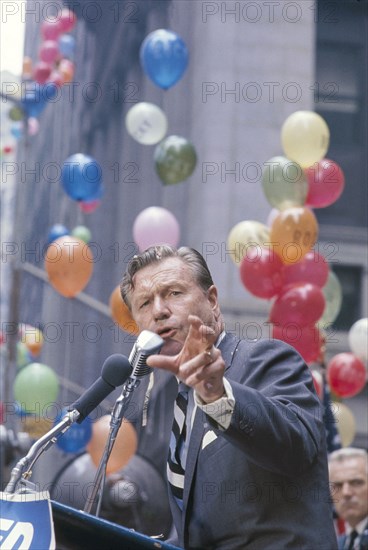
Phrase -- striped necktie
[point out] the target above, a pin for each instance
(352, 538)
(175, 470)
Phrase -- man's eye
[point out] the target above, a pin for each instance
(175, 292)
(144, 304)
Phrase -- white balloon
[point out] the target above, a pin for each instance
(358, 338)
(146, 123)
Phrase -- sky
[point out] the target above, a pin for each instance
(11, 38)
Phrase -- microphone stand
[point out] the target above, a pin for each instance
(22, 470)
(115, 423)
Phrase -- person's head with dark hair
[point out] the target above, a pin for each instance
(163, 286)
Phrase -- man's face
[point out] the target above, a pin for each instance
(350, 489)
(164, 294)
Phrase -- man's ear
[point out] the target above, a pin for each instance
(213, 299)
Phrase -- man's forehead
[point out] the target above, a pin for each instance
(349, 467)
(165, 271)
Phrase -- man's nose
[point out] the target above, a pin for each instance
(346, 489)
(160, 308)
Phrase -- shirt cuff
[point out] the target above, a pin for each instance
(221, 410)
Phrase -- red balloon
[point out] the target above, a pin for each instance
(346, 374)
(260, 272)
(313, 268)
(326, 183)
(49, 51)
(51, 30)
(41, 72)
(306, 340)
(67, 20)
(302, 304)
(90, 206)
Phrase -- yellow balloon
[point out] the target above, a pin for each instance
(293, 233)
(246, 234)
(305, 137)
(345, 423)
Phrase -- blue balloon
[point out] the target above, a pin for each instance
(56, 231)
(76, 437)
(67, 45)
(81, 177)
(164, 57)
(33, 99)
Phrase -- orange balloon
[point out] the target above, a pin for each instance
(69, 265)
(293, 233)
(124, 448)
(121, 314)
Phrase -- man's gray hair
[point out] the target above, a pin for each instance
(346, 453)
(155, 254)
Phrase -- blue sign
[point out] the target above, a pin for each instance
(26, 522)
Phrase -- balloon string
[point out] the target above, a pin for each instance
(67, 355)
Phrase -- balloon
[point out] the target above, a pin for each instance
(81, 177)
(305, 137)
(332, 292)
(318, 382)
(34, 425)
(155, 225)
(120, 312)
(326, 182)
(345, 423)
(33, 338)
(261, 272)
(17, 130)
(56, 78)
(124, 448)
(16, 114)
(82, 232)
(293, 233)
(89, 206)
(23, 356)
(66, 69)
(175, 159)
(49, 51)
(33, 99)
(146, 123)
(67, 45)
(56, 231)
(164, 57)
(33, 126)
(76, 437)
(313, 268)
(67, 20)
(284, 183)
(41, 72)
(51, 30)
(246, 234)
(306, 340)
(27, 68)
(272, 216)
(301, 304)
(35, 386)
(346, 374)
(358, 338)
(69, 265)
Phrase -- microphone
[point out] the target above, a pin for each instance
(115, 372)
(148, 343)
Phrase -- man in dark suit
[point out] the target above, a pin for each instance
(348, 469)
(247, 460)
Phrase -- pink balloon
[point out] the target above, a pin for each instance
(41, 72)
(56, 78)
(51, 30)
(155, 225)
(90, 206)
(302, 304)
(261, 272)
(312, 268)
(67, 20)
(49, 51)
(326, 183)
(33, 126)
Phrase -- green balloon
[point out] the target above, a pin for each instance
(332, 292)
(284, 183)
(35, 386)
(23, 358)
(175, 159)
(16, 114)
(83, 233)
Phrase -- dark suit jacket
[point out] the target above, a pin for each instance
(263, 483)
(363, 540)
